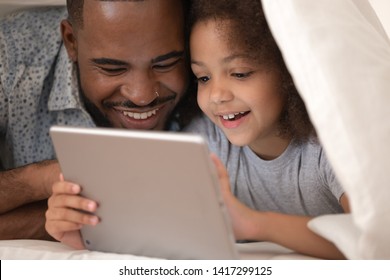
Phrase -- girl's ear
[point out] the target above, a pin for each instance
(69, 38)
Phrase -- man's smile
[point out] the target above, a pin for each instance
(140, 116)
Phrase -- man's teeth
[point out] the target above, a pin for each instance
(232, 116)
(140, 116)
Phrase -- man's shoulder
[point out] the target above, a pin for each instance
(38, 25)
(35, 16)
(31, 37)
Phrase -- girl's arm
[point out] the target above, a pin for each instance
(287, 230)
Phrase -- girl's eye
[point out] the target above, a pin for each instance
(242, 75)
(203, 80)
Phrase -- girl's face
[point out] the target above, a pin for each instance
(241, 96)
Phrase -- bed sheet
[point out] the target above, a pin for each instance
(24, 249)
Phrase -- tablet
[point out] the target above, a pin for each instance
(157, 192)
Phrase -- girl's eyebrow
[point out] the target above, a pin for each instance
(228, 59)
(235, 56)
(197, 62)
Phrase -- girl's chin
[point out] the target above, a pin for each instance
(238, 140)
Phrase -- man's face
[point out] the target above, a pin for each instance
(131, 60)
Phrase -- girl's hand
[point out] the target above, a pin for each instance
(64, 218)
(243, 218)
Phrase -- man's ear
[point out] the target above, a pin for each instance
(69, 38)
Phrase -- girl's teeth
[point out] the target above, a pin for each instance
(228, 117)
(232, 116)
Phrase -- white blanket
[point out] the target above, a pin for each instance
(48, 250)
(339, 56)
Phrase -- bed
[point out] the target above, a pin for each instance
(47, 250)
(338, 53)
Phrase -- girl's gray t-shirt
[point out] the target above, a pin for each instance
(299, 182)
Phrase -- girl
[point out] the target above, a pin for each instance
(258, 126)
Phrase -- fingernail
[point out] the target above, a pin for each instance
(94, 220)
(75, 188)
(91, 206)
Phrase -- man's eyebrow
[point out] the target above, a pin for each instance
(174, 54)
(108, 61)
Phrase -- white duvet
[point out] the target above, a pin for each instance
(339, 56)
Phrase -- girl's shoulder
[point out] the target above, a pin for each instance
(201, 124)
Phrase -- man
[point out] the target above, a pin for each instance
(117, 63)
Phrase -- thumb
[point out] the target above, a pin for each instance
(222, 173)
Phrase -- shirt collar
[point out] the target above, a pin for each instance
(64, 93)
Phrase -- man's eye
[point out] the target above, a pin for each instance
(113, 71)
(203, 80)
(166, 67)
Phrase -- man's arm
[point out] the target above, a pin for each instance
(25, 222)
(23, 200)
(27, 184)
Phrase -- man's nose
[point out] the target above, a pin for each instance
(140, 89)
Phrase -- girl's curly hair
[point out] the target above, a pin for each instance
(248, 28)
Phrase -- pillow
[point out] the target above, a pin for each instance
(340, 230)
(339, 57)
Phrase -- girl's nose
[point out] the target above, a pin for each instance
(220, 94)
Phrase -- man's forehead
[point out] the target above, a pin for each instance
(110, 9)
(152, 26)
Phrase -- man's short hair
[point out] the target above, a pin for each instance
(75, 9)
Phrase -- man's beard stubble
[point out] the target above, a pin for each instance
(97, 116)
(100, 119)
